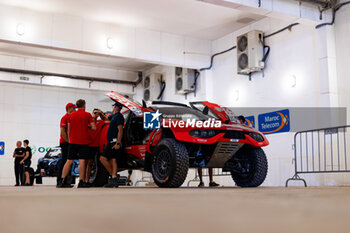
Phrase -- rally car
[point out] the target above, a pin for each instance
(168, 150)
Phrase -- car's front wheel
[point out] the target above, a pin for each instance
(170, 163)
(253, 167)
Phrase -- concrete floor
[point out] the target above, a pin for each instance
(273, 210)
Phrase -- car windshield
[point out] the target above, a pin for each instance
(181, 113)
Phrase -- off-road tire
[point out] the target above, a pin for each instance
(258, 167)
(170, 163)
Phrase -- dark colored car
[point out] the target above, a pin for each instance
(47, 165)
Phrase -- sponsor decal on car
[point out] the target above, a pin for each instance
(274, 122)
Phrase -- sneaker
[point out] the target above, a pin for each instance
(83, 184)
(213, 184)
(201, 184)
(16, 185)
(64, 184)
(113, 183)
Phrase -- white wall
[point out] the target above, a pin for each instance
(34, 112)
(78, 34)
(168, 73)
(342, 33)
(304, 53)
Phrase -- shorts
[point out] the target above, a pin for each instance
(64, 150)
(93, 152)
(26, 165)
(76, 151)
(110, 153)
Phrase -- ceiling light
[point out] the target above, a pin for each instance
(236, 95)
(110, 43)
(292, 82)
(20, 29)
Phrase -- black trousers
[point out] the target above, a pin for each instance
(19, 173)
(62, 162)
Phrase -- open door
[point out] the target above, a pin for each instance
(134, 107)
(221, 113)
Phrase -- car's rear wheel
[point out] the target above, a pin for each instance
(170, 163)
(253, 167)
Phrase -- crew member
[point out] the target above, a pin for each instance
(95, 140)
(241, 119)
(18, 154)
(70, 107)
(211, 182)
(26, 161)
(79, 123)
(128, 182)
(113, 148)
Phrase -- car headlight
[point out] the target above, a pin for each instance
(257, 137)
(202, 133)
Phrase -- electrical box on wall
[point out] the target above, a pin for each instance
(184, 80)
(151, 86)
(250, 52)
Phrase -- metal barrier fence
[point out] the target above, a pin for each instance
(205, 172)
(320, 151)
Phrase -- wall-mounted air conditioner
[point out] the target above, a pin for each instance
(250, 52)
(184, 80)
(151, 86)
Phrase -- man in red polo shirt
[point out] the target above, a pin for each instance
(70, 107)
(79, 123)
(94, 140)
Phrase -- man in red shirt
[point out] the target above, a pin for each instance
(95, 140)
(70, 107)
(79, 123)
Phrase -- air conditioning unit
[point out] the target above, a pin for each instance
(184, 80)
(250, 52)
(151, 86)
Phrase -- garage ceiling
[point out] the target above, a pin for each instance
(184, 17)
(113, 62)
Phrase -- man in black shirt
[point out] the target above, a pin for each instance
(26, 161)
(113, 148)
(18, 154)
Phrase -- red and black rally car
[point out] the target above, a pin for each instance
(170, 150)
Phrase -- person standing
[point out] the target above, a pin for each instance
(241, 119)
(18, 154)
(27, 161)
(211, 181)
(114, 145)
(95, 139)
(79, 123)
(70, 107)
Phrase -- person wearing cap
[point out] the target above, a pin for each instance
(79, 123)
(241, 119)
(114, 145)
(70, 107)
